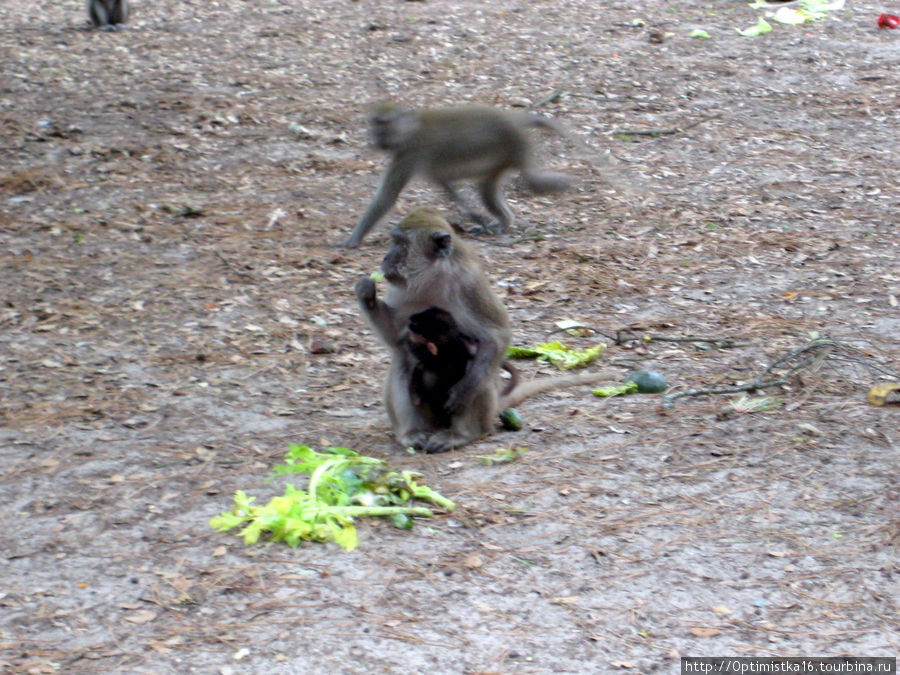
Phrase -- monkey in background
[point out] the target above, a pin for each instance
(429, 266)
(108, 14)
(451, 144)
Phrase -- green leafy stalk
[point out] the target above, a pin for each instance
(343, 486)
(558, 354)
(502, 456)
(616, 389)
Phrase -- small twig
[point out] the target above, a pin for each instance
(549, 99)
(750, 386)
(231, 266)
(665, 132)
(724, 343)
(625, 334)
(589, 97)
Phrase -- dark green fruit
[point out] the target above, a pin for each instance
(648, 381)
(401, 520)
(511, 419)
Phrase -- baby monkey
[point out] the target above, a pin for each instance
(441, 355)
(452, 144)
(108, 14)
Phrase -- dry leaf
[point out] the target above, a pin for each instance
(566, 600)
(704, 631)
(721, 610)
(473, 561)
(142, 616)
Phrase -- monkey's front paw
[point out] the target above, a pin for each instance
(365, 291)
(439, 442)
(417, 440)
(456, 398)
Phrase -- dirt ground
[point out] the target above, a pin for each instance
(173, 314)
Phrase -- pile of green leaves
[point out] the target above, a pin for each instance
(343, 485)
(558, 354)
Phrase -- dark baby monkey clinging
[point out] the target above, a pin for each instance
(451, 144)
(440, 355)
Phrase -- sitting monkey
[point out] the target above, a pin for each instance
(433, 407)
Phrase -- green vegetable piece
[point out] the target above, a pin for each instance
(401, 520)
(699, 34)
(502, 456)
(616, 390)
(522, 353)
(377, 276)
(425, 492)
(564, 358)
(342, 486)
(648, 381)
(791, 16)
(511, 419)
(762, 26)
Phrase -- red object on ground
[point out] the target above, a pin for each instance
(888, 21)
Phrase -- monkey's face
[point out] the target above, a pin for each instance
(394, 263)
(414, 251)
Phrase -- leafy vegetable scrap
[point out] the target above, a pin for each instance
(343, 485)
(502, 456)
(805, 11)
(558, 354)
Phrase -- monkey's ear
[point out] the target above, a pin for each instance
(443, 244)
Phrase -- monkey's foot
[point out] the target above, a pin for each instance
(416, 440)
(492, 228)
(442, 441)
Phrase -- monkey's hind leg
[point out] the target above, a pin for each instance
(464, 205)
(491, 193)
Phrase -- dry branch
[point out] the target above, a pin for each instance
(808, 357)
(665, 132)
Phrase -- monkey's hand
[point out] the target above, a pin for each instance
(458, 397)
(365, 292)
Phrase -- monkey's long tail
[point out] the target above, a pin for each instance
(528, 389)
(543, 183)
